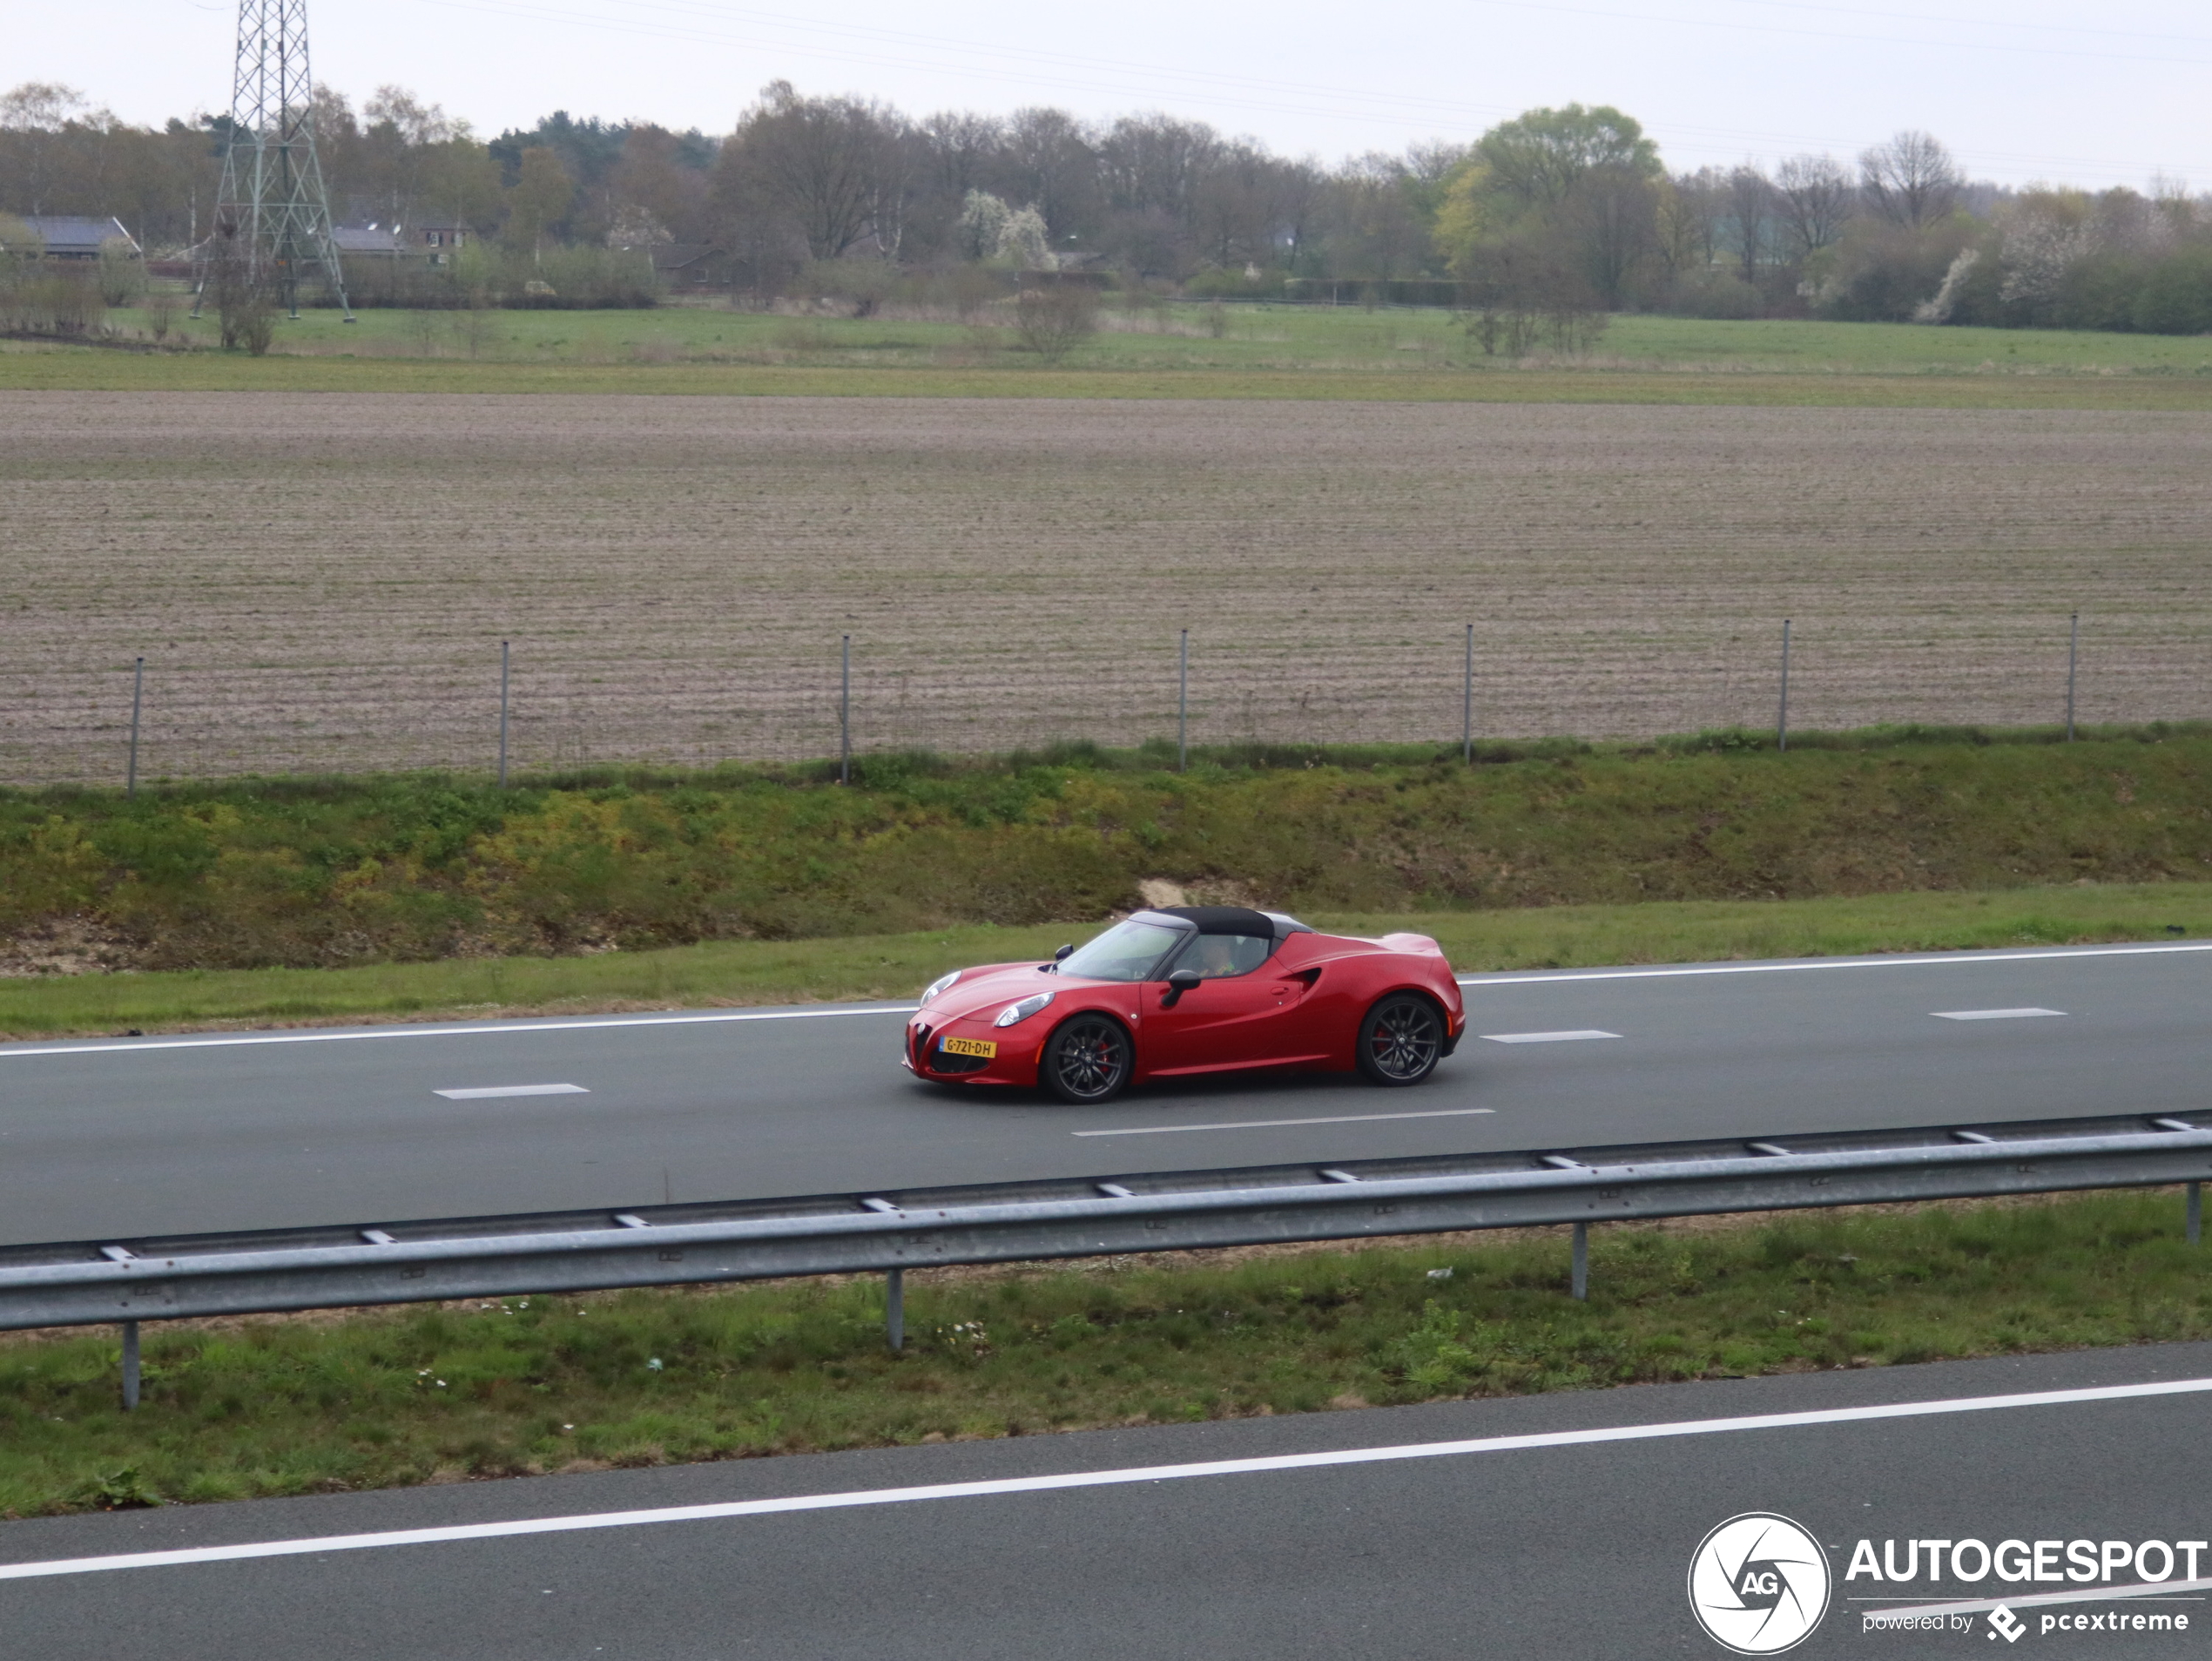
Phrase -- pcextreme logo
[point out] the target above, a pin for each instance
(1758, 1583)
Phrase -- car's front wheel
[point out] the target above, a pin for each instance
(1087, 1060)
(1402, 1040)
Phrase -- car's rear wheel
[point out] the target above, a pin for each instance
(1402, 1040)
(1087, 1060)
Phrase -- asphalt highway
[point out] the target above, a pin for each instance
(125, 1137)
(1572, 1542)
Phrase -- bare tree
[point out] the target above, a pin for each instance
(1746, 213)
(1812, 200)
(821, 163)
(34, 116)
(1911, 181)
(1687, 224)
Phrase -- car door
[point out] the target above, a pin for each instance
(1239, 1015)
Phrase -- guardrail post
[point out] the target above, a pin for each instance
(2196, 1213)
(1582, 1262)
(130, 1366)
(895, 1308)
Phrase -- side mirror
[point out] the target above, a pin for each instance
(1183, 980)
(1063, 954)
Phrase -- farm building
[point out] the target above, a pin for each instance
(71, 236)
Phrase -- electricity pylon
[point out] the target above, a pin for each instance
(272, 206)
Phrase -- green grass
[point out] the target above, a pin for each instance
(518, 1386)
(893, 967)
(1260, 352)
(1182, 337)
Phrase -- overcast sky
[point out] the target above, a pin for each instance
(2020, 89)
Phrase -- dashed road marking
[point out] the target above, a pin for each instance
(1546, 1037)
(1993, 1015)
(484, 1092)
(1271, 1124)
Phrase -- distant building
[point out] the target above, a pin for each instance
(70, 236)
(698, 265)
(438, 242)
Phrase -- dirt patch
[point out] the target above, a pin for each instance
(68, 946)
(322, 582)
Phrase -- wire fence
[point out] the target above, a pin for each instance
(533, 707)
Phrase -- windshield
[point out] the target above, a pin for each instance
(1129, 951)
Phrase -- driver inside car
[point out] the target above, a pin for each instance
(1216, 956)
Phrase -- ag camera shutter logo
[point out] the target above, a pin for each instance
(1758, 1584)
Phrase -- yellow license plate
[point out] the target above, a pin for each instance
(983, 1047)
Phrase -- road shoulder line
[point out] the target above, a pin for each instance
(310, 1546)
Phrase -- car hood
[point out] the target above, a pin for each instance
(987, 990)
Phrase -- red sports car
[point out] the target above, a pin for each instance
(1187, 990)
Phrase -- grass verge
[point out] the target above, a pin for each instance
(338, 873)
(520, 1386)
(895, 966)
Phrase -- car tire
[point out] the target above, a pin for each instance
(1401, 1039)
(1088, 1060)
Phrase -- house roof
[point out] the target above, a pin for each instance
(72, 233)
(679, 256)
(365, 239)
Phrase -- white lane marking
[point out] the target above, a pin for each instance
(1888, 960)
(1540, 978)
(1093, 1479)
(1991, 1015)
(2147, 1589)
(1270, 1124)
(485, 1092)
(1546, 1037)
(687, 1019)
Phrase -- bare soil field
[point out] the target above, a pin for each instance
(321, 582)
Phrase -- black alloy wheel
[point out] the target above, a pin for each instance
(1087, 1060)
(1402, 1040)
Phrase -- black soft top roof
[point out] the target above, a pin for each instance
(1230, 919)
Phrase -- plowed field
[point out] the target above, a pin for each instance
(322, 582)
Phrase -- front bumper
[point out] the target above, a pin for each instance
(923, 1054)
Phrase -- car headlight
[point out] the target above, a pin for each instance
(941, 983)
(1014, 1013)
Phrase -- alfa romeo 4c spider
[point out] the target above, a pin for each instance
(1187, 990)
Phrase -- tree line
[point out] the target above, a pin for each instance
(1535, 230)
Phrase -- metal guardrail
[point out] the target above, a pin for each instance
(405, 1262)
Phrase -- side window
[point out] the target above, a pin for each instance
(1218, 956)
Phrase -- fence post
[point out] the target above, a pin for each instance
(502, 715)
(1183, 705)
(1782, 719)
(2196, 1213)
(138, 697)
(1581, 1276)
(845, 712)
(895, 1308)
(130, 1366)
(1467, 704)
(2072, 653)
